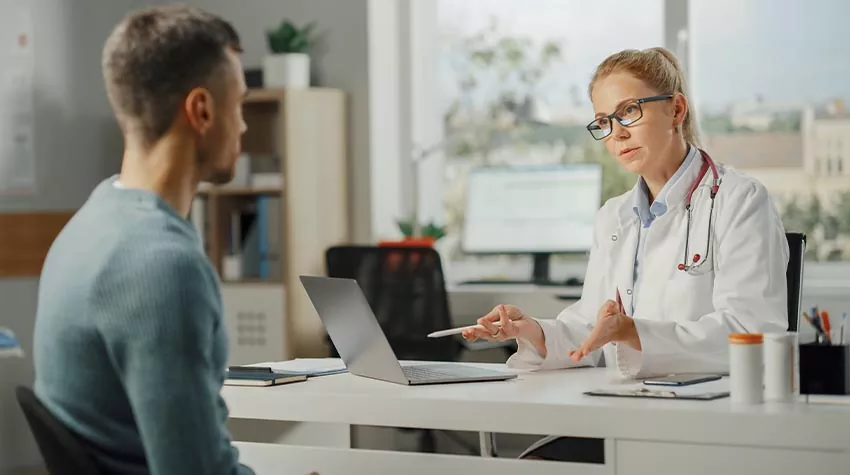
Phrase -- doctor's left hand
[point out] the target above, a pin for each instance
(611, 325)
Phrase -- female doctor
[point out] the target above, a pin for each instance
(696, 250)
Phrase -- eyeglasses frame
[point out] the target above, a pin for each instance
(614, 115)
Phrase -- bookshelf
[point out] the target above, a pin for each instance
(300, 134)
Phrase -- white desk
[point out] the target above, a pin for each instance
(642, 436)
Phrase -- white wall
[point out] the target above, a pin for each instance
(340, 61)
(77, 144)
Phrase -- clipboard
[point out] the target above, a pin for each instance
(659, 394)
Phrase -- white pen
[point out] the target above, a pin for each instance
(455, 331)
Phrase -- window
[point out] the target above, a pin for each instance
(790, 80)
(809, 42)
(497, 56)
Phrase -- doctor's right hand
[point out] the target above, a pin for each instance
(505, 322)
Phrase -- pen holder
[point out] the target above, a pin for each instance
(824, 369)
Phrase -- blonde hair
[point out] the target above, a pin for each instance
(660, 70)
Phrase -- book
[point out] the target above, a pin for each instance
(243, 376)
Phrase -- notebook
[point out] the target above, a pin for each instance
(260, 377)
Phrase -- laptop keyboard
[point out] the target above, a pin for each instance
(434, 372)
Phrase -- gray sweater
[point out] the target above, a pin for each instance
(130, 346)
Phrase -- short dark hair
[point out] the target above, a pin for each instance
(155, 56)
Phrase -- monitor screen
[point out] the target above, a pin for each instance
(541, 209)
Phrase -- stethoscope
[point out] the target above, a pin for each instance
(698, 260)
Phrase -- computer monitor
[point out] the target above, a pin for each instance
(537, 210)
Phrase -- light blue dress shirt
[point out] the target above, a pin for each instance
(647, 213)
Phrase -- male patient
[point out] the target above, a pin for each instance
(130, 343)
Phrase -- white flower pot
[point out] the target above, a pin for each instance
(291, 70)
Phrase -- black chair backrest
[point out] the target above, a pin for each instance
(406, 290)
(63, 452)
(794, 277)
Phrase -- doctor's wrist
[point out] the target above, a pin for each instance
(531, 332)
(630, 334)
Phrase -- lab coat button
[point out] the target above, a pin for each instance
(613, 237)
(629, 291)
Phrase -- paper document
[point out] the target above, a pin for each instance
(308, 366)
(703, 391)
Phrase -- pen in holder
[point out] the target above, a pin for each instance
(824, 368)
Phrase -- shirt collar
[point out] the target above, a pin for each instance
(645, 212)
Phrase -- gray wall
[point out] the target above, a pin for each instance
(339, 61)
(76, 145)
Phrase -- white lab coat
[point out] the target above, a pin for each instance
(683, 321)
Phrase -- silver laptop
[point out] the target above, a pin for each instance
(364, 348)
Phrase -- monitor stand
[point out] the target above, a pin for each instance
(540, 271)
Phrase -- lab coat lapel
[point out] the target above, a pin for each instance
(664, 252)
(623, 252)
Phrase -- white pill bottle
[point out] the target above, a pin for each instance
(746, 368)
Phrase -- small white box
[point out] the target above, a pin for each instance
(267, 180)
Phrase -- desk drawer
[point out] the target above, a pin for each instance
(641, 458)
(283, 459)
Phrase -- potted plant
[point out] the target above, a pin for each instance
(288, 64)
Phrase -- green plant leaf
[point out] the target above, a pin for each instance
(406, 227)
(288, 38)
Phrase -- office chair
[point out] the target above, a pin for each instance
(63, 452)
(406, 290)
(794, 277)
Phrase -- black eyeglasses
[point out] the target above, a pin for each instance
(626, 115)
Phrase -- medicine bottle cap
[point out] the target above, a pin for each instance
(746, 338)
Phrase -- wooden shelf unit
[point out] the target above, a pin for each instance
(306, 130)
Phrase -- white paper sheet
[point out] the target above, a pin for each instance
(306, 365)
(17, 157)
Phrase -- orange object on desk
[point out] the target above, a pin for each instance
(409, 242)
(826, 326)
